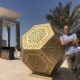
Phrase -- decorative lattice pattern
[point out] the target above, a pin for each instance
(37, 36)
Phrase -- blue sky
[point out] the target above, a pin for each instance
(32, 12)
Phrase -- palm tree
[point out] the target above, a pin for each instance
(62, 15)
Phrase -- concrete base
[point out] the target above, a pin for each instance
(38, 77)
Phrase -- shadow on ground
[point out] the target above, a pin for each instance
(63, 74)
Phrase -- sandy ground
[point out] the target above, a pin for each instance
(17, 70)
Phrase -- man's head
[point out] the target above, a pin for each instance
(66, 29)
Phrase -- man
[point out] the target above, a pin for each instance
(69, 41)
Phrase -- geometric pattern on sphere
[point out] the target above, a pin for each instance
(37, 36)
(41, 49)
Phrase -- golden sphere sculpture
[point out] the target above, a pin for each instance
(41, 49)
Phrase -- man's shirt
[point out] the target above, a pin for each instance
(69, 49)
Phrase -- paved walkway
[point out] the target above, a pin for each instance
(16, 70)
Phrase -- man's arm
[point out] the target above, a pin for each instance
(65, 42)
(75, 41)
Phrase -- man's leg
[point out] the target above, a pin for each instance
(77, 63)
(70, 61)
(71, 64)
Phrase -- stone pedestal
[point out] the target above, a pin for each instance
(41, 49)
(38, 77)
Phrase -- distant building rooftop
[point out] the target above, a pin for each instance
(8, 15)
(4, 12)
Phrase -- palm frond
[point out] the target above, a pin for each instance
(62, 15)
